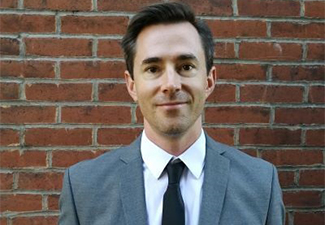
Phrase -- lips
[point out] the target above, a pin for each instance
(171, 103)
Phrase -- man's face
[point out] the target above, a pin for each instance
(170, 78)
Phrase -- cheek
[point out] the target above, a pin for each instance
(144, 101)
(198, 89)
(200, 96)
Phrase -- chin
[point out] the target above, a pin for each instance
(174, 130)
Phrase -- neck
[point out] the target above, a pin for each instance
(174, 144)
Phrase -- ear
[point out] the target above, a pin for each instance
(130, 85)
(211, 81)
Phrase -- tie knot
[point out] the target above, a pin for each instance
(174, 171)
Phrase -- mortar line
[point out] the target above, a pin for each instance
(234, 8)
(304, 52)
(94, 47)
(20, 4)
(131, 14)
(269, 29)
(94, 6)
(305, 94)
(57, 24)
(302, 8)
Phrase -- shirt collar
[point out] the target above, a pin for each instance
(156, 158)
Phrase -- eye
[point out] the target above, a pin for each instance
(152, 69)
(187, 67)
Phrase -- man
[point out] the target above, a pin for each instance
(173, 173)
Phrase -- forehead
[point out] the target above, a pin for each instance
(168, 40)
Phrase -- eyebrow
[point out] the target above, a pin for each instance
(187, 57)
(151, 60)
(182, 57)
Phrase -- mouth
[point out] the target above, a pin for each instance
(171, 105)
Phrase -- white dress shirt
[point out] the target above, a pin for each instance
(155, 160)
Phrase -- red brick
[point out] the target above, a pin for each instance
(97, 114)
(293, 157)
(224, 50)
(113, 93)
(62, 5)
(68, 158)
(237, 114)
(267, 8)
(61, 92)
(6, 181)
(315, 9)
(20, 202)
(241, 72)
(109, 48)
(223, 93)
(208, 7)
(8, 4)
(316, 94)
(9, 91)
(316, 51)
(53, 202)
(9, 46)
(300, 115)
(58, 47)
(36, 220)
(9, 137)
(315, 137)
(49, 181)
(123, 5)
(303, 199)
(3, 221)
(314, 218)
(270, 51)
(27, 114)
(287, 178)
(60, 137)
(203, 7)
(239, 28)
(92, 70)
(28, 158)
(271, 94)
(27, 69)
(296, 30)
(223, 135)
(117, 136)
(312, 178)
(265, 136)
(94, 24)
(299, 73)
(12, 23)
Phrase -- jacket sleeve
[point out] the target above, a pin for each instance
(68, 212)
(276, 212)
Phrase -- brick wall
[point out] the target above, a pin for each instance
(63, 97)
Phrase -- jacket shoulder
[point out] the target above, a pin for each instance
(255, 171)
(238, 157)
(108, 161)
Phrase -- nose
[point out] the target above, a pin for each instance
(171, 81)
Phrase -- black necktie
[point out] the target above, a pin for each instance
(173, 207)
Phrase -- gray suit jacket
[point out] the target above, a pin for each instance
(109, 190)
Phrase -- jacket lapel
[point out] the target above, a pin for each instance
(132, 185)
(216, 172)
